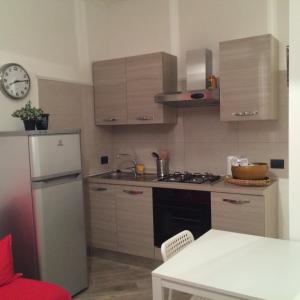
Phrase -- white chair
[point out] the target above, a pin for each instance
(174, 245)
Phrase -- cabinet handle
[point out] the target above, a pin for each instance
(100, 189)
(144, 118)
(132, 192)
(112, 119)
(236, 201)
(245, 113)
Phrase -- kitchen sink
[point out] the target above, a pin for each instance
(125, 175)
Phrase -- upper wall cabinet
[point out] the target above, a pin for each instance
(248, 78)
(110, 91)
(148, 75)
(125, 89)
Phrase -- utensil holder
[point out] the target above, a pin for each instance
(162, 167)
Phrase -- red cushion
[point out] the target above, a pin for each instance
(7, 273)
(28, 289)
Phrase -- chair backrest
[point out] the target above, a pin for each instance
(175, 244)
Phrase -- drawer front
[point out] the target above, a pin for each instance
(135, 221)
(102, 216)
(238, 213)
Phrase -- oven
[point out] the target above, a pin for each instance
(175, 210)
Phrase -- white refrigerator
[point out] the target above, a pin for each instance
(41, 205)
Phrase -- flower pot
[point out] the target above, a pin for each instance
(42, 122)
(29, 124)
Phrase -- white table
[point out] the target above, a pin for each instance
(226, 265)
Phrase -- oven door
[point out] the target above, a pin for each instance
(177, 210)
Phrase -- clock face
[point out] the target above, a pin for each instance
(14, 81)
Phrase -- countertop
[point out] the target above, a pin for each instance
(220, 187)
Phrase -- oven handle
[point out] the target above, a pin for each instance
(231, 201)
(132, 192)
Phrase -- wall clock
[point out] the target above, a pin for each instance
(14, 81)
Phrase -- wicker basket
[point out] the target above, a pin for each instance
(261, 182)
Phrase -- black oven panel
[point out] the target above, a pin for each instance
(175, 210)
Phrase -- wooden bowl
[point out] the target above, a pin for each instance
(254, 172)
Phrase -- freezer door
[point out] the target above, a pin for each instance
(54, 154)
(60, 233)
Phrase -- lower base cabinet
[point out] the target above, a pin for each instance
(247, 214)
(121, 219)
(135, 221)
(102, 222)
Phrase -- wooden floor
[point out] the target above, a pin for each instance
(110, 279)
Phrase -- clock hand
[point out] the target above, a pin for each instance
(17, 81)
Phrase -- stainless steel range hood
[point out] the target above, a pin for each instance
(198, 69)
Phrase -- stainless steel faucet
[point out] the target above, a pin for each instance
(133, 160)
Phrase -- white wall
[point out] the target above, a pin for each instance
(294, 126)
(42, 36)
(118, 28)
(123, 28)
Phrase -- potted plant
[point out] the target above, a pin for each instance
(28, 114)
(42, 122)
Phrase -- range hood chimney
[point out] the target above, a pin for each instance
(198, 69)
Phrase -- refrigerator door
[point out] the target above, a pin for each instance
(60, 232)
(51, 155)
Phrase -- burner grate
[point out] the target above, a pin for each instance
(188, 177)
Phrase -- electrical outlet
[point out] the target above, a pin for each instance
(277, 163)
(104, 160)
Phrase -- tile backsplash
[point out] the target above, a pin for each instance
(201, 142)
(71, 105)
(198, 142)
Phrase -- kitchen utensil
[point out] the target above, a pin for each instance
(255, 171)
(164, 154)
(162, 167)
(155, 155)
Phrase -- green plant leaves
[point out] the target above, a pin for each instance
(28, 112)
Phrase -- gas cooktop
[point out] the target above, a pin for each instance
(187, 177)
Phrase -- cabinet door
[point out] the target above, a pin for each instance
(135, 220)
(145, 79)
(238, 213)
(248, 72)
(102, 216)
(110, 92)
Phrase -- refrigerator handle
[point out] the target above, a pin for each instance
(57, 180)
(70, 177)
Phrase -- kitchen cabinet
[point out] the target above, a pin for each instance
(248, 214)
(102, 217)
(121, 219)
(121, 216)
(135, 220)
(125, 89)
(248, 78)
(110, 91)
(146, 76)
